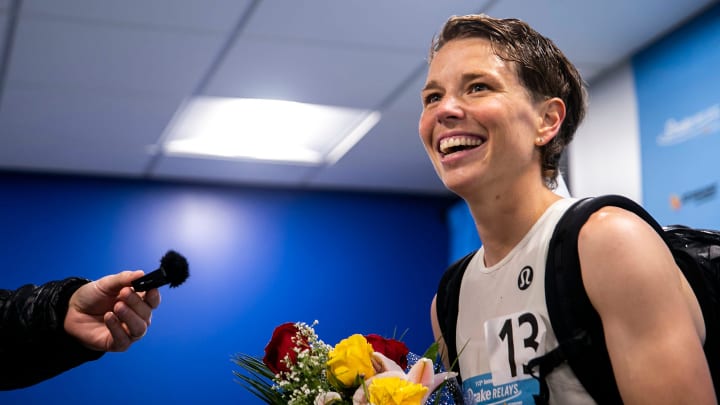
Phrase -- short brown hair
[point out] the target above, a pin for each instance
(541, 67)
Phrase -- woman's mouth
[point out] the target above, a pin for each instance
(454, 144)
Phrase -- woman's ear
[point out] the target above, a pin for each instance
(552, 115)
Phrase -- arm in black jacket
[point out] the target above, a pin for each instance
(33, 343)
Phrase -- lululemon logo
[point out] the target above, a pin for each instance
(525, 278)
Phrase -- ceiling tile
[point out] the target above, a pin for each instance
(77, 130)
(390, 157)
(397, 24)
(312, 73)
(216, 16)
(110, 57)
(408, 101)
(3, 30)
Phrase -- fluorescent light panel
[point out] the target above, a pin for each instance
(271, 130)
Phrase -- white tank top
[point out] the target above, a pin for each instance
(503, 323)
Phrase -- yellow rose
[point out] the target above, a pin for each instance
(349, 360)
(395, 391)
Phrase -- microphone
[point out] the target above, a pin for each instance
(173, 270)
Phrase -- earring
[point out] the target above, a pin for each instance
(539, 140)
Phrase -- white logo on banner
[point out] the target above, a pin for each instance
(703, 122)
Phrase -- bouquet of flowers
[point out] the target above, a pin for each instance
(300, 369)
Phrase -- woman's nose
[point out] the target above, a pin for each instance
(448, 109)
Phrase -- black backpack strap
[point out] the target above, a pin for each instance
(540, 367)
(577, 325)
(446, 306)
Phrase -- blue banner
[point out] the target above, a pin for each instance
(678, 92)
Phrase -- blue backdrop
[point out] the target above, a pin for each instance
(358, 263)
(678, 95)
(463, 234)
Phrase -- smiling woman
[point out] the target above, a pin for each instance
(480, 115)
(500, 81)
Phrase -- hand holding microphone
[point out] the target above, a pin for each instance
(173, 270)
(106, 315)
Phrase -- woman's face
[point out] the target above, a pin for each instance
(479, 123)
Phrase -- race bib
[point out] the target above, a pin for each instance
(512, 341)
(480, 390)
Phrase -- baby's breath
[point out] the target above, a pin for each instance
(306, 376)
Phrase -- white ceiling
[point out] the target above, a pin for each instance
(89, 86)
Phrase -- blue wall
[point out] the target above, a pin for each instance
(359, 263)
(463, 234)
(678, 95)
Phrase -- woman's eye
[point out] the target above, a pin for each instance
(478, 87)
(431, 98)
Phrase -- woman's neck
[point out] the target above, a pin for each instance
(504, 219)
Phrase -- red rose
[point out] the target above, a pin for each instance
(281, 344)
(391, 348)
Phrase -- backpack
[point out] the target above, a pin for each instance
(578, 327)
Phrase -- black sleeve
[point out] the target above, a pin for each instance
(33, 342)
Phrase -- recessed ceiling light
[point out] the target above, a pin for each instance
(271, 130)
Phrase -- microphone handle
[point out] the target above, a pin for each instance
(152, 280)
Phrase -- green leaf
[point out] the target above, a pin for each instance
(436, 393)
(402, 336)
(432, 352)
(458, 356)
(257, 379)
